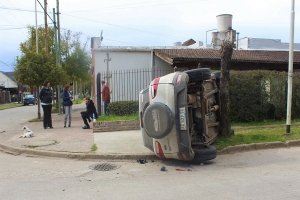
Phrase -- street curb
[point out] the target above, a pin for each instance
(92, 156)
(80, 156)
(259, 146)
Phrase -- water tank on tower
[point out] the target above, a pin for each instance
(224, 22)
(224, 31)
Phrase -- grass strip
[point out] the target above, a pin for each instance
(10, 105)
(117, 118)
(78, 101)
(265, 122)
(258, 134)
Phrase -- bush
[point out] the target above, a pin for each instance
(122, 108)
(248, 96)
(260, 94)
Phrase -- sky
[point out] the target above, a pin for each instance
(145, 22)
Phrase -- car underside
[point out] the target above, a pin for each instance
(180, 115)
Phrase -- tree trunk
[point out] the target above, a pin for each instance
(226, 53)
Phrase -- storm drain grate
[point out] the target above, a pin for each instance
(104, 167)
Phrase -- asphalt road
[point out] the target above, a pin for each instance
(267, 174)
(16, 116)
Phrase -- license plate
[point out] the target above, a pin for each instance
(182, 118)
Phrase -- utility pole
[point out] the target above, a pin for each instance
(58, 54)
(290, 73)
(55, 37)
(107, 67)
(37, 50)
(58, 27)
(46, 26)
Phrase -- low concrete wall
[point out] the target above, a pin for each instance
(116, 126)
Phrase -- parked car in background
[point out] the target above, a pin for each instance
(180, 115)
(30, 99)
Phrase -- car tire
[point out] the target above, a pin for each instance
(204, 154)
(201, 74)
(217, 75)
(158, 120)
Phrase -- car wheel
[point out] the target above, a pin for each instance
(158, 120)
(217, 74)
(199, 74)
(203, 154)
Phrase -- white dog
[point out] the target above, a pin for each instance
(27, 132)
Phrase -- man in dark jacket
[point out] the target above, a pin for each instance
(46, 101)
(90, 110)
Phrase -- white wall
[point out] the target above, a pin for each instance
(264, 44)
(161, 67)
(130, 71)
(243, 43)
(122, 60)
(7, 82)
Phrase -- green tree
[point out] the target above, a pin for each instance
(32, 68)
(76, 60)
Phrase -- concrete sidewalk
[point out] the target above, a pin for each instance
(73, 141)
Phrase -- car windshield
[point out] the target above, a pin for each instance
(29, 97)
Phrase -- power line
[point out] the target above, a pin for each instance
(11, 23)
(45, 11)
(18, 12)
(19, 9)
(138, 30)
(22, 27)
(13, 28)
(143, 31)
(104, 38)
(7, 65)
(121, 7)
(14, 16)
(113, 6)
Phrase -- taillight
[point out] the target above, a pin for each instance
(183, 156)
(159, 151)
(178, 79)
(154, 86)
(141, 119)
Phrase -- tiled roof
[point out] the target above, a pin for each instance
(261, 56)
(189, 42)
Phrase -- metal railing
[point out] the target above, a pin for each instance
(125, 85)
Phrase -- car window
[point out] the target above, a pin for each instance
(29, 96)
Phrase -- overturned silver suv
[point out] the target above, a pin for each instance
(180, 114)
